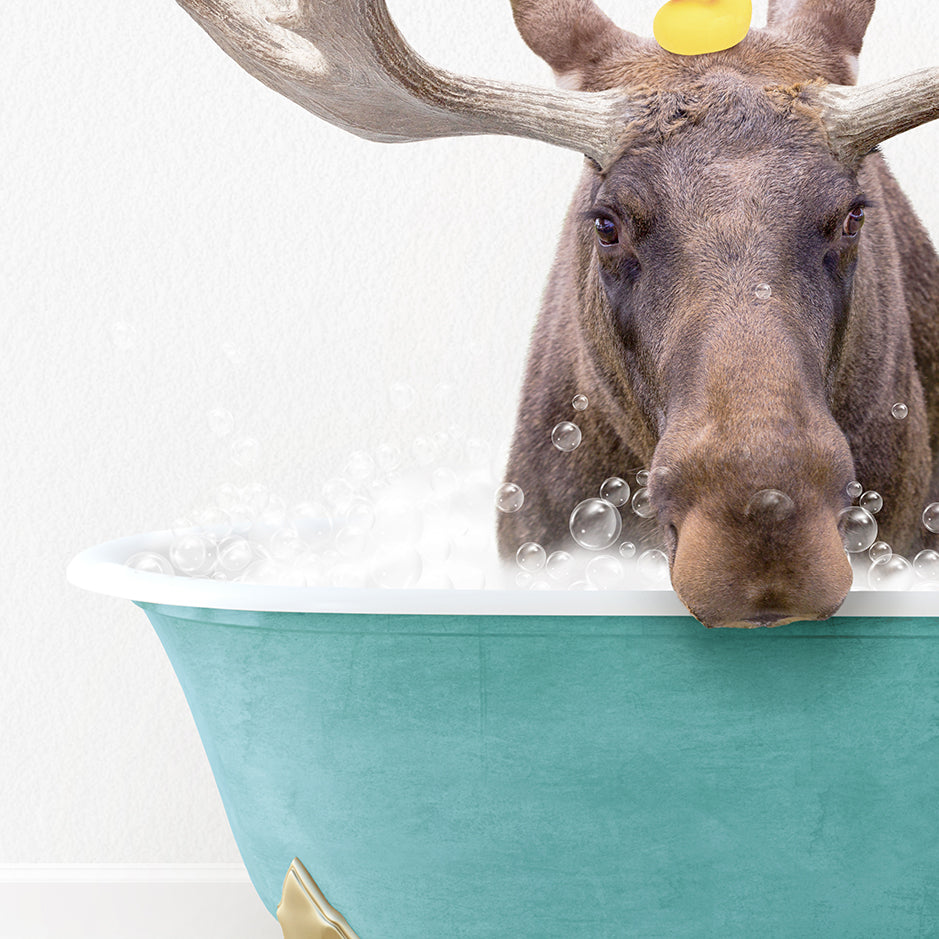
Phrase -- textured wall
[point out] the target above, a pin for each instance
(163, 214)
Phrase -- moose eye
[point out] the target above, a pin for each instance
(853, 222)
(606, 231)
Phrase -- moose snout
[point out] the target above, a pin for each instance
(766, 567)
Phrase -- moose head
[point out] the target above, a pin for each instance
(741, 288)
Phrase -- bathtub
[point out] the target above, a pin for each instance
(448, 764)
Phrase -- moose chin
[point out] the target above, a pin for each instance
(741, 288)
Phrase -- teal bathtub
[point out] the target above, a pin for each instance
(593, 764)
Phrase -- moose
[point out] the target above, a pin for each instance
(741, 288)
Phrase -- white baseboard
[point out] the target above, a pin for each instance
(127, 901)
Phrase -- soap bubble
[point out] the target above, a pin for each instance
(402, 396)
(531, 556)
(524, 580)
(287, 545)
(604, 572)
(149, 561)
(566, 436)
(854, 489)
(642, 504)
(595, 524)
(312, 523)
(627, 550)
(561, 567)
(273, 512)
(261, 571)
(221, 421)
(580, 402)
(879, 550)
(338, 494)
(858, 529)
(425, 450)
(444, 481)
(347, 576)
(615, 491)
(931, 516)
(771, 505)
(396, 565)
(191, 553)
(899, 411)
(642, 478)
(926, 565)
(215, 521)
(509, 497)
(653, 565)
(893, 573)
(872, 501)
(245, 450)
(234, 554)
(360, 514)
(763, 291)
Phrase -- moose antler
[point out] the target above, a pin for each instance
(859, 118)
(345, 61)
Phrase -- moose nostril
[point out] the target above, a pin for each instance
(770, 505)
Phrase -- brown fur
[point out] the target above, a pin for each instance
(728, 181)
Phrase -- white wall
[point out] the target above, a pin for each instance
(147, 181)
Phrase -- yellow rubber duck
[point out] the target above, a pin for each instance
(694, 27)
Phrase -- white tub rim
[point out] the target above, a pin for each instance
(101, 569)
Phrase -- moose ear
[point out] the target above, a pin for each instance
(837, 26)
(572, 36)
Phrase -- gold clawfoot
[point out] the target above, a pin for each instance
(303, 911)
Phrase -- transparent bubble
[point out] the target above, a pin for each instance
(763, 291)
(361, 514)
(872, 501)
(359, 467)
(245, 450)
(604, 572)
(561, 567)
(899, 411)
(595, 524)
(540, 585)
(615, 491)
(234, 554)
(478, 452)
(931, 516)
(642, 504)
(388, 457)
(566, 436)
(221, 421)
(509, 497)
(219, 575)
(879, 550)
(893, 573)
(242, 517)
(287, 545)
(524, 580)
(770, 505)
(123, 335)
(396, 565)
(531, 557)
(191, 553)
(653, 566)
(854, 489)
(580, 402)
(642, 477)
(312, 523)
(858, 529)
(312, 568)
(435, 580)
(338, 494)
(627, 550)
(149, 561)
(216, 522)
(262, 571)
(401, 395)
(926, 565)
